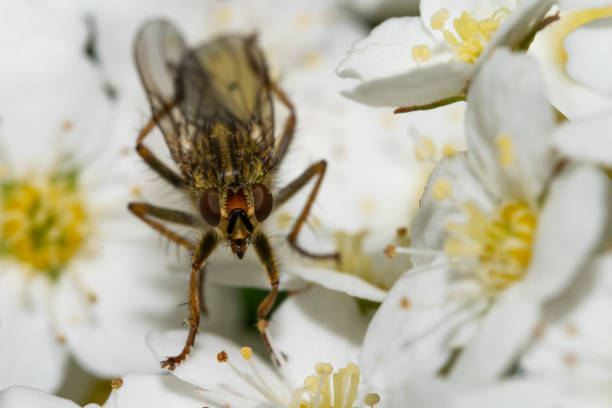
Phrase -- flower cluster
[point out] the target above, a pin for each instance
(473, 224)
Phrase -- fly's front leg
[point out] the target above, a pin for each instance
(318, 170)
(266, 256)
(145, 211)
(154, 163)
(205, 247)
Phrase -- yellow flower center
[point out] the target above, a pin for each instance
(473, 34)
(42, 221)
(496, 246)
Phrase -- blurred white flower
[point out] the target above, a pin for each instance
(78, 274)
(418, 61)
(26, 397)
(378, 10)
(494, 238)
(558, 45)
(589, 55)
(588, 140)
(572, 343)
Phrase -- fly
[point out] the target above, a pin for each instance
(214, 107)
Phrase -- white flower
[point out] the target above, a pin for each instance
(418, 61)
(588, 140)
(589, 55)
(563, 62)
(572, 343)
(25, 397)
(313, 334)
(494, 239)
(78, 274)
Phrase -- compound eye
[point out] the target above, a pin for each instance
(209, 206)
(263, 201)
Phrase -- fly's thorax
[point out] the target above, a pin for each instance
(236, 211)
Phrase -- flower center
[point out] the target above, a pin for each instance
(473, 34)
(499, 245)
(325, 389)
(42, 221)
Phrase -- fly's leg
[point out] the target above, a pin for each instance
(146, 211)
(318, 170)
(201, 277)
(205, 247)
(153, 162)
(287, 135)
(266, 256)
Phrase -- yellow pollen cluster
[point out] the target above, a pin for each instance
(473, 34)
(421, 53)
(42, 221)
(496, 247)
(329, 389)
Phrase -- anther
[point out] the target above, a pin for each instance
(246, 352)
(222, 356)
(371, 399)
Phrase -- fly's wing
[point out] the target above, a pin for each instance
(158, 51)
(226, 81)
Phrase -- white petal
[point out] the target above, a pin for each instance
(570, 228)
(391, 77)
(134, 293)
(521, 22)
(576, 330)
(504, 331)
(318, 325)
(342, 282)
(589, 140)
(420, 86)
(508, 127)
(589, 55)
(583, 4)
(524, 393)
(571, 98)
(154, 391)
(482, 8)
(409, 335)
(201, 367)
(429, 225)
(234, 272)
(30, 350)
(25, 397)
(387, 51)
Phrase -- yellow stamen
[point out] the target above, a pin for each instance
(505, 149)
(246, 352)
(473, 34)
(43, 222)
(421, 53)
(497, 247)
(448, 151)
(425, 149)
(441, 189)
(371, 399)
(439, 18)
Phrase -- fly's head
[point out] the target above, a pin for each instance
(236, 211)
